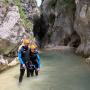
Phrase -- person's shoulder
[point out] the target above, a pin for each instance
(20, 48)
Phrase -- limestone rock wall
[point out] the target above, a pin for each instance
(65, 22)
(56, 22)
(82, 25)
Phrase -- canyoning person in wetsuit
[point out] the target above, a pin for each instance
(35, 58)
(24, 58)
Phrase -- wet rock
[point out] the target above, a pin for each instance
(82, 26)
(5, 64)
(14, 62)
(3, 61)
(88, 60)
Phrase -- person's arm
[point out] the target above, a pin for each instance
(38, 59)
(19, 57)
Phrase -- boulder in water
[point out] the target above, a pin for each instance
(3, 61)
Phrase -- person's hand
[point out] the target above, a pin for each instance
(24, 66)
(38, 69)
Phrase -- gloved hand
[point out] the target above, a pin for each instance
(24, 66)
(38, 69)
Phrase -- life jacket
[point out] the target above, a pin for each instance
(25, 54)
(33, 57)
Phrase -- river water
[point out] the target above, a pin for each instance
(59, 71)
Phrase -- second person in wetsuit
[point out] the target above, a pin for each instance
(35, 59)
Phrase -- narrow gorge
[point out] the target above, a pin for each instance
(54, 23)
(64, 22)
(48, 37)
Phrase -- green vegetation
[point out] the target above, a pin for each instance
(5, 1)
(24, 19)
(5, 48)
(26, 23)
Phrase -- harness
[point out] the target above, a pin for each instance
(33, 57)
(25, 54)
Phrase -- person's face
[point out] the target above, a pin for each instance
(32, 50)
(26, 47)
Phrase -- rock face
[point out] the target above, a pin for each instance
(10, 28)
(9, 22)
(65, 22)
(3, 61)
(16, 23)
(82, 26)
(30, 7)
(57, 22)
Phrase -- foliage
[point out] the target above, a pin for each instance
(26, 23)
(24, 19)
(5, 1)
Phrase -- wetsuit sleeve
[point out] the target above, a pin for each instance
(19, 57)
(38, 58)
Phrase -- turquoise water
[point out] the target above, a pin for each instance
(59, 71)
